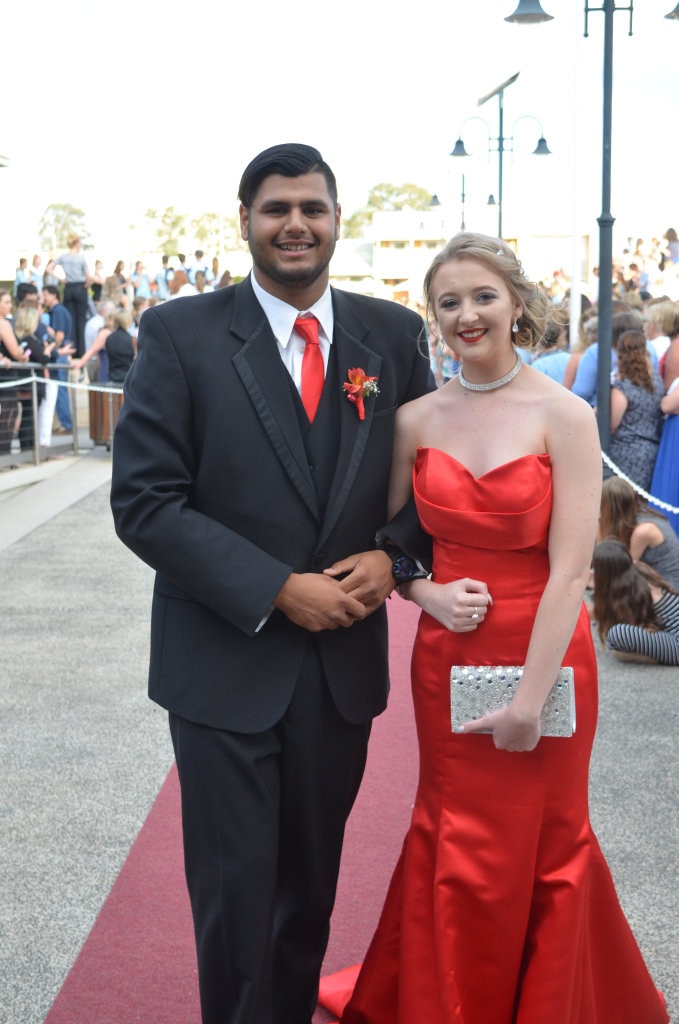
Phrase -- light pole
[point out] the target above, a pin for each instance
(530, 11)
(501, 141)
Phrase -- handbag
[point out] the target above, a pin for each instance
(477, 689)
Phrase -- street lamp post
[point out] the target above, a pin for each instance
(606, 221)
(530, 11)
(540, 150)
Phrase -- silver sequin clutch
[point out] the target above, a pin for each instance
(477, 689)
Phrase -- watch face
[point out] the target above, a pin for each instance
(402, 568)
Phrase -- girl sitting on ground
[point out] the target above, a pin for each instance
(646, 532)
(636, 610)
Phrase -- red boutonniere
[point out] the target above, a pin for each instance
(359, 387)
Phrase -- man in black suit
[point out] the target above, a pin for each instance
(239, 498)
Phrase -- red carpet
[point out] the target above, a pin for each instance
(138, 963)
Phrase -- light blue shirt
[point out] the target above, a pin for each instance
(552, 364)
(585, 383)
(209, 276)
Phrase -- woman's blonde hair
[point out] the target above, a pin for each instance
(665, 314)
(26, 320)
(501, 259)
(122, 318)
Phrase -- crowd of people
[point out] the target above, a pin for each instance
(68, 316)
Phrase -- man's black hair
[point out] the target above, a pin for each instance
(52, 289)
(25, 288)
(291, 159)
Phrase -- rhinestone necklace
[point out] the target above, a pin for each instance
(493, 384)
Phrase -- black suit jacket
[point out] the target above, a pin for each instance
(212, 488)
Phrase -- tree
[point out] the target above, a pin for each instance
(59, 221)
(169, 227)
(395, 197)
(219, 234)
(206, 228)
(354, 226)
(386, 196)
(232, 240)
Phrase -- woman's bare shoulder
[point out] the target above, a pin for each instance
(421, 407)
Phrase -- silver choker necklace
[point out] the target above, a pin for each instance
(493, 384)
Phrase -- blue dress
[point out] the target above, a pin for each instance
(665, 483)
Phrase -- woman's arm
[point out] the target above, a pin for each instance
(618, 408)
(573, 446)
(638, 644)
(669, 404)
(671, 366)
(571, 370)
(96, 346)
(406, 439)
(644, 535)
(8, 339)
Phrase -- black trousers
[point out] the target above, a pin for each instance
(263, 819)
(76, 302)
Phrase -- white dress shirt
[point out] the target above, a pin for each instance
(281, 316)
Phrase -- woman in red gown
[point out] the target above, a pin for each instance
(502, 909)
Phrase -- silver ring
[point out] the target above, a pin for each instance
(476, 615)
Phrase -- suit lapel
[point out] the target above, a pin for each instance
(264, 378)
(350, 337)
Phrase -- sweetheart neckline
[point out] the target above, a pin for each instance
(502, 465)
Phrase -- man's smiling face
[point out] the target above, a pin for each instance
(291, 228)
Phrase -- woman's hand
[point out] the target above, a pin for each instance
(460, 606)
(510, 730)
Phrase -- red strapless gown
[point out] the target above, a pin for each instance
(502, 909)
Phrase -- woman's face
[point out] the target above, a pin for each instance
(5, 304)
(473, 306)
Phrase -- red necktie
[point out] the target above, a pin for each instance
(313, 371)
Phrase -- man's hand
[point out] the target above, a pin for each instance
(317, 602)
(367, 577)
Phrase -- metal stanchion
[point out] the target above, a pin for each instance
(110, 420)
(74, 412)
(35, 404)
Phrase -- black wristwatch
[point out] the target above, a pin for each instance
(403, 568)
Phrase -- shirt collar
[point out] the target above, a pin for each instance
(281, 315)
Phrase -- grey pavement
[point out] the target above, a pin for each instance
(83, 752)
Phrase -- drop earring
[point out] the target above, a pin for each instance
(515, 325)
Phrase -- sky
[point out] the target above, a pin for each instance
(165, 103)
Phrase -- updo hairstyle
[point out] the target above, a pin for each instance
(501, 259)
